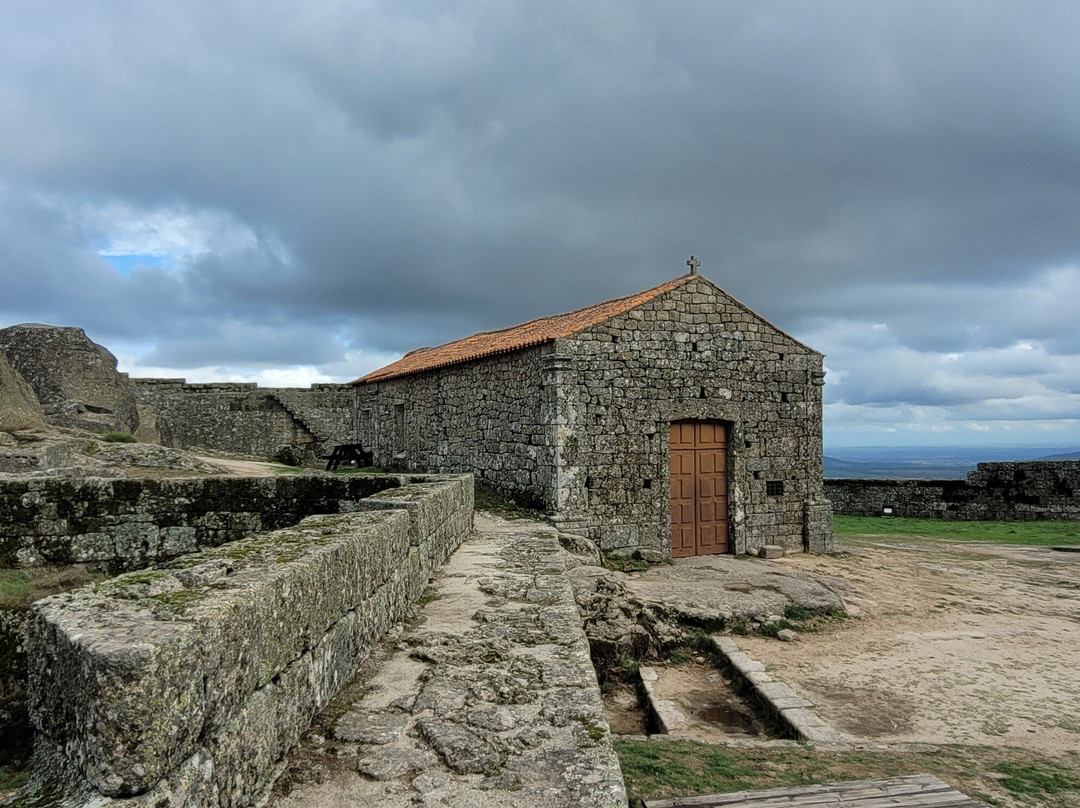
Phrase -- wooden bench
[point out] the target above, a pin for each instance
(348, 453)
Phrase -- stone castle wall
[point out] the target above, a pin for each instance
(291, 424)
(692, 353)
(134, 523)
(483, 418)
(1005, 492)
(280, 621)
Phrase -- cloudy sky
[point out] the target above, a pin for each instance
(301, 191)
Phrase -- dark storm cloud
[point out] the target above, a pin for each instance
(385, 175)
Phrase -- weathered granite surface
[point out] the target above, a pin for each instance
(1005, 492)
(490, 701)
(638, 615)
(73, 378)
(186, 685)
(19, 407)
(63, 452)
(132, 523)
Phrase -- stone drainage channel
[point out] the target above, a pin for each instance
(684, 683)
(782, 707)
(490, 697)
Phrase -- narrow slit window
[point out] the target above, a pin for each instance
(399, 424)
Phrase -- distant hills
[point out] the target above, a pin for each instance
(1066, 456)
(929, 462)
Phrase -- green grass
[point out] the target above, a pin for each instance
(1038, 779)
(620, 562)
(994, 775)
(118, 437)
(21, 587)
(13, 776)
(1029, 533)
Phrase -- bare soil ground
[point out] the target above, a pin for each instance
(949, 643)
(245, 468)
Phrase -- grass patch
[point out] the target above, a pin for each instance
(685, 768)
(1039, 534)
(118, 437)
(1039, 779)
(620, 562)
(21, 587)
(13, 776)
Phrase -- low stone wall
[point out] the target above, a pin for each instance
(14, 722)
(186, 685)
(1006, 492)
(134, 523)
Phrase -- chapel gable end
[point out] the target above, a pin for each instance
(698, 306)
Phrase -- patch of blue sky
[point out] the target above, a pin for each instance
(126, 264)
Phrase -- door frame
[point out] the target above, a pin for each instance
(729, 489)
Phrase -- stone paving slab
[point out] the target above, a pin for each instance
(490, 700)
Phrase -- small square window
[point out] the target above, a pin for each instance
(774, 488)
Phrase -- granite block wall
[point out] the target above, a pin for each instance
(1005, 492)
(276, 423)
(187, 684)
(693, 353)
(483, 418)
(132, 523)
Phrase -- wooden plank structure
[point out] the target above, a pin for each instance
(917, 791)
(347, 453)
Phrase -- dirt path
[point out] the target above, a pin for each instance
(243, 468)
(953, 643)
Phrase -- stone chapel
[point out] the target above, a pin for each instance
(673, 422)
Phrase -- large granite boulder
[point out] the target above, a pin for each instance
(75, 379)
(19, 408)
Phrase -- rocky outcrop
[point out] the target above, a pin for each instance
(59, 452)
(73, 378)
(19, 408)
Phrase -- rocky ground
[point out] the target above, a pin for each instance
(488, 700)
(63, 452)
(949, 643)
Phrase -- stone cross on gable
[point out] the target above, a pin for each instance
(693, 263)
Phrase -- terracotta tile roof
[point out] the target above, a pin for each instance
(534, 332)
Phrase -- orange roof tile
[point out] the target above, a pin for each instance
(534, 332)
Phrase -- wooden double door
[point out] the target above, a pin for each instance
(699, 489)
